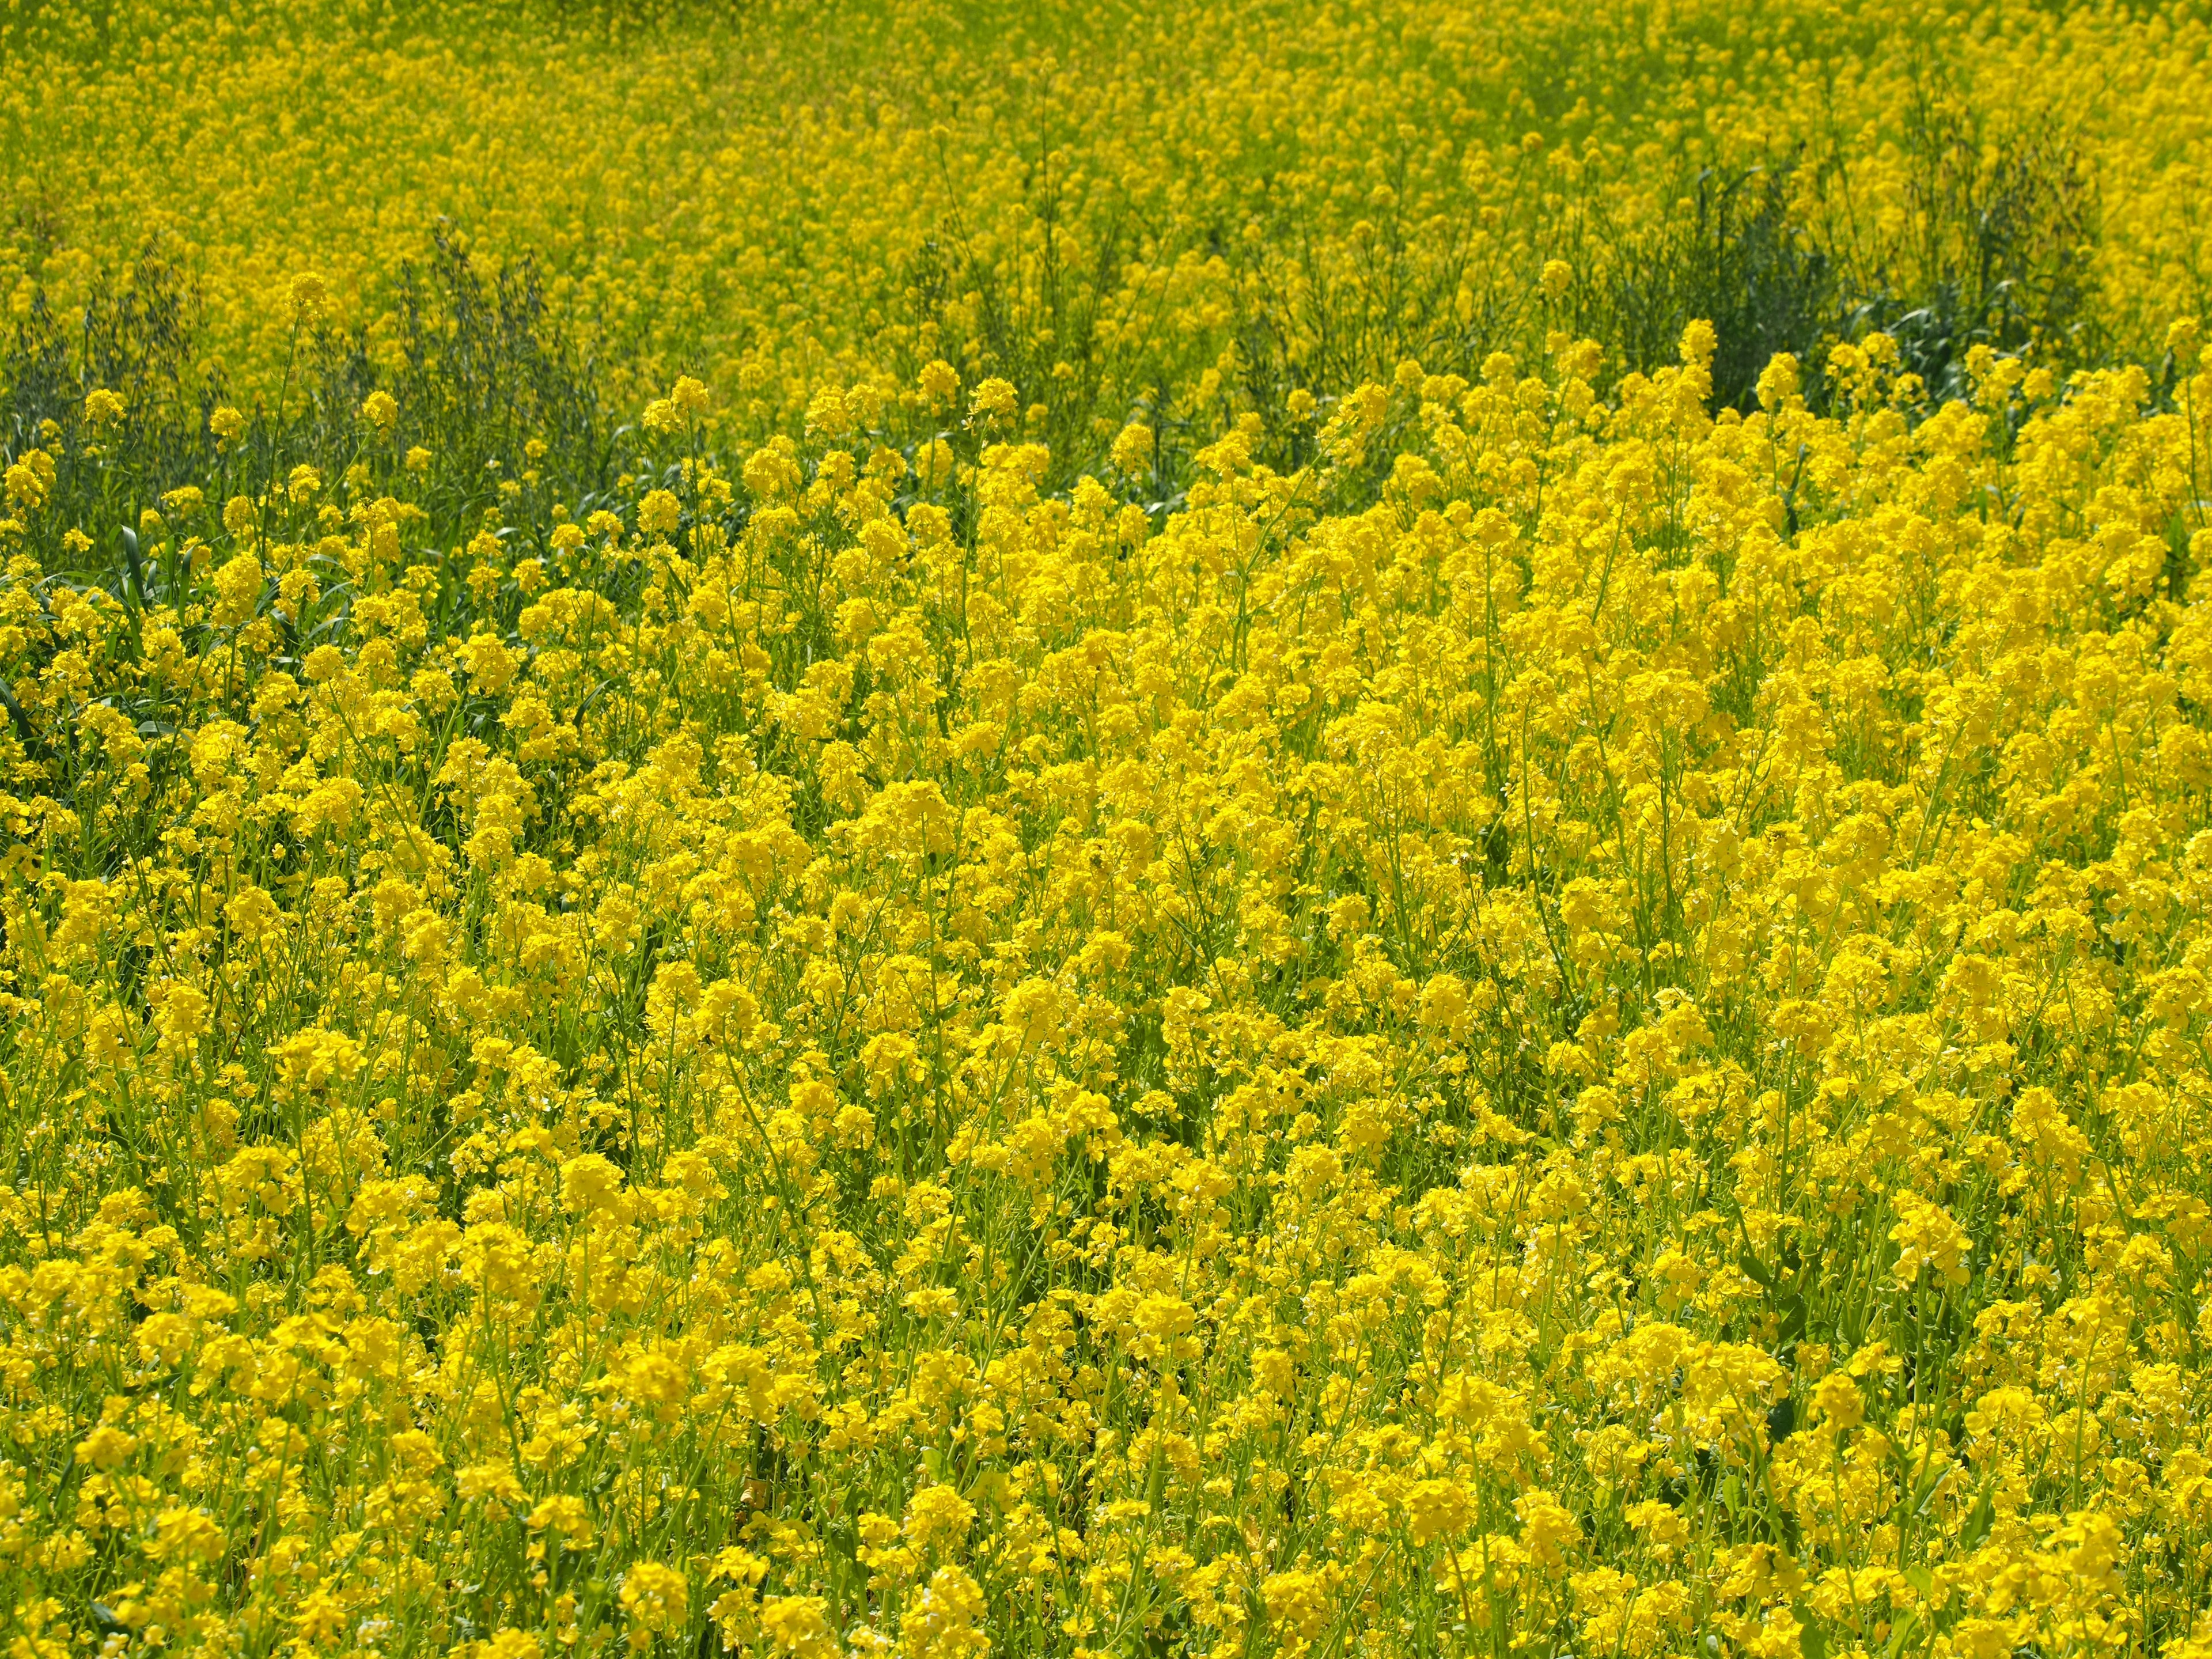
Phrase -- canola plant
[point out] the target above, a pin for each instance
(937, 832)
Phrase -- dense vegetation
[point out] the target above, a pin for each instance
(1105, 831)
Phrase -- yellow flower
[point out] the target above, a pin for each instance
(1836, 1397)
(938, 380)
(657, 1600)
(937, 1517)
(993, 399)
(1132, 447)
(690, 396)
(1927, 1236)
(1439, 1510)
(799, 1626)
(308, 296)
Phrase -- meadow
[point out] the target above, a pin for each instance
(938, 831)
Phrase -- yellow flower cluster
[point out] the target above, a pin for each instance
(1453, 1002)
(1186, 204)
(1603, 1049)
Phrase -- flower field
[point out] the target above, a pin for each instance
(947, 830)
